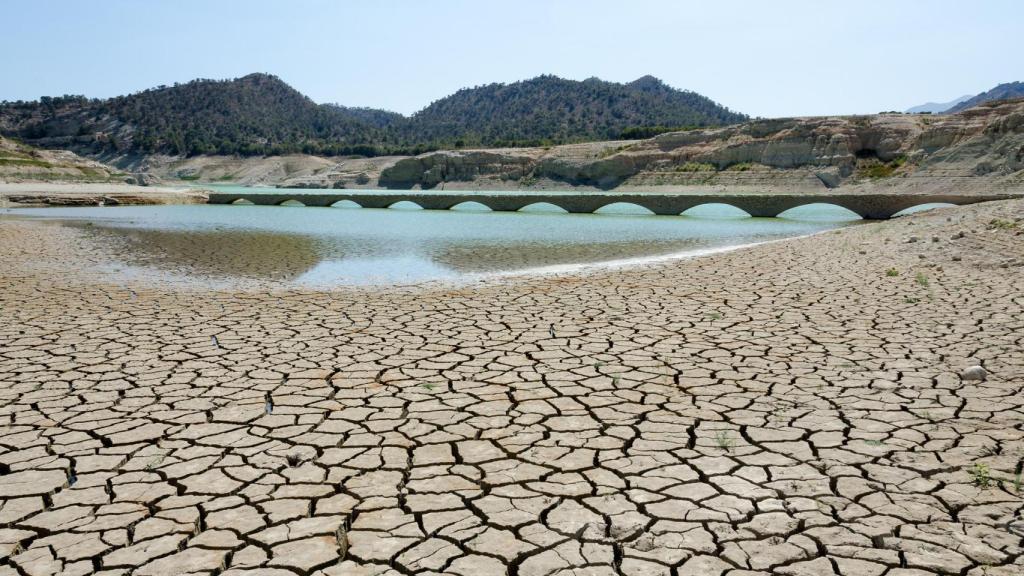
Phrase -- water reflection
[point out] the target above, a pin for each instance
(220, 254)
(323, 246)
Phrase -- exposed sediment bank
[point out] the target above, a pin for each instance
(25, 194)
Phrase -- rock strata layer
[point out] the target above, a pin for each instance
(984, 145)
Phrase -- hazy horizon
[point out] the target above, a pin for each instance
(784, 59)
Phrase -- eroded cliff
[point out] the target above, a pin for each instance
(983, 146)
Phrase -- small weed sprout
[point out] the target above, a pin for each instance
(892, 272)
(980, 475)
(155, 462)
(723, 441)
(921, 279)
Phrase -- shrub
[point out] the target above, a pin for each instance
(997, 224)
(696, 167)
(875, 169)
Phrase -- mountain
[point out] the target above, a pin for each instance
(937, 107)
(548, 109)
(1002, 92)
(256, 114)
(259, 114)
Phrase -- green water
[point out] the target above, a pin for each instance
(335, 246)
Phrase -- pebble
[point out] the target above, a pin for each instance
(974, 373)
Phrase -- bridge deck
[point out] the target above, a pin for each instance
(869, 206)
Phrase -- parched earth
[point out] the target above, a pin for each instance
(795, 408)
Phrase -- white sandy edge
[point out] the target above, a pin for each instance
(52, 188)
(567, 269)
(640, 260)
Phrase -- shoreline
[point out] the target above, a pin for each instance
(126, 272)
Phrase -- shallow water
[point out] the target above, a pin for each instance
(333, 246)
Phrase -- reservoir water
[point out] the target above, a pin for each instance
(339, 246)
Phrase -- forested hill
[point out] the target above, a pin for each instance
(260, 114)
(554, 109)
(256, 114)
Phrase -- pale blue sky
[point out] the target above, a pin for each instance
(765, 58)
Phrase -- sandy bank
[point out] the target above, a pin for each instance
(92, 194)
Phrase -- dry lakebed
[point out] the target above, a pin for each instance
(849, 402)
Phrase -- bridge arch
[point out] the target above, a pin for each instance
(471, 206)
(820, 211)
(923, 207)
(624, 208)
(543, 207)
(404, 205)
(716, 211)
(347, 204)
(291, 202)
(242, 202)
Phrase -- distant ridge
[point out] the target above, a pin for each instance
(937, 107)
(1001, 92)
(259, 114)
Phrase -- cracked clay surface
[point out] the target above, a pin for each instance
(793, 408)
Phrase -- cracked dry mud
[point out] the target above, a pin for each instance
(786, 409)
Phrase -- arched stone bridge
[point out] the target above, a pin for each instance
(868, 206)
